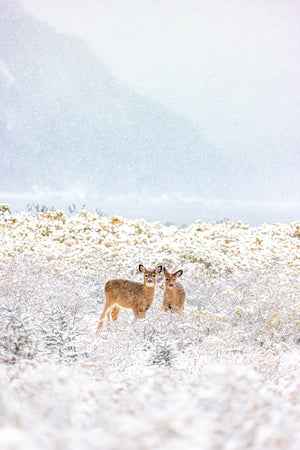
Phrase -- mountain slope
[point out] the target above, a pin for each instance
(64, 120)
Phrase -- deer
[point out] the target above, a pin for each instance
(174, 295)
(129, 294)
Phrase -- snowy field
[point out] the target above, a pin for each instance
(226, 375)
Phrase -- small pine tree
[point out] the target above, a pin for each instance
(16, 334)
(59, 333)
(163, 354)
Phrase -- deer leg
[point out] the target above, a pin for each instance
(141, 313)
(108, 316)
(115, 313)
(100, 324)
(164, 307)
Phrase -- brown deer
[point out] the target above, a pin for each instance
(174, 294)
(129, 294)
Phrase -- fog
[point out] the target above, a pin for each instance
(172, 111)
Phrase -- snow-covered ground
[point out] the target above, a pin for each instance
(226, 375)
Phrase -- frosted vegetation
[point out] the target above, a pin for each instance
(225, 375)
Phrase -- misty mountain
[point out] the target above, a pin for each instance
(65, 120)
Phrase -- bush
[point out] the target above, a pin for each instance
(16, 333)
(163, 354)
(59, 333)
(4, 208)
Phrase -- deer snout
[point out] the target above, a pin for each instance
(172, 285)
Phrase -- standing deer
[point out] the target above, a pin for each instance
(174, 294)
(129, 294)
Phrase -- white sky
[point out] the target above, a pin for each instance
(232, 66)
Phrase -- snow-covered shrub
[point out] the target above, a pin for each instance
(163, 339)
(297, 229)
(4, 208)
(59, 333)
(17, 336)
(163, 354)
(35, 208)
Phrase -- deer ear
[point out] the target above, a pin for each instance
(158, 269)
(178, 273)
(142, 268)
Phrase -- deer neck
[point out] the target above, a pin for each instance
(149, 291)
(171, 291)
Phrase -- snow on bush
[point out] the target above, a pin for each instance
(223, 375)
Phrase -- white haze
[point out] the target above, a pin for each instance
(231, 68)
(177, 209)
